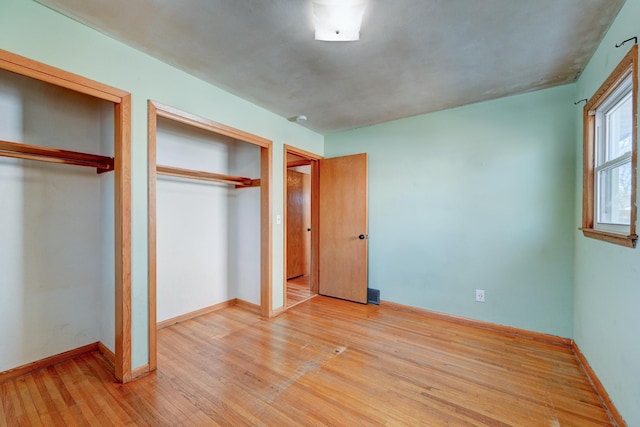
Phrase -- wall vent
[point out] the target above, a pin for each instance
(373, 296)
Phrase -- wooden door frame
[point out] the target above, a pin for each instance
(122, 190)
(315, 170)
(155, 110)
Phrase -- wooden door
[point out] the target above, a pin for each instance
(298, 224)
(343, 227)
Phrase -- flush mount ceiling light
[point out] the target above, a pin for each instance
(338, 20)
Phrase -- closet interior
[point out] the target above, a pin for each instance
(206, 226)
(57, 245)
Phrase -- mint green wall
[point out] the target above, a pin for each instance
(475, 197)
(607, 276)
(34, 31)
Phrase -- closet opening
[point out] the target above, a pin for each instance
(209, 219)
(301, 226)
(65, 221)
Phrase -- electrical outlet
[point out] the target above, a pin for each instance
(480, 295)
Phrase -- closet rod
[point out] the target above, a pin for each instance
(55, 155)
(238, 181)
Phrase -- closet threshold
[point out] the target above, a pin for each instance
(55, 155)
(238, 181)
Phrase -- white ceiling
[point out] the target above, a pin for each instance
(413, 57)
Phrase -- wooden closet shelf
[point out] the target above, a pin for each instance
(55, 155)
(238, 181)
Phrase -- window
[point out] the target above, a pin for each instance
(609, 193)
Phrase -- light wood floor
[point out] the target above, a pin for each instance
(323, 362)
(299, 290)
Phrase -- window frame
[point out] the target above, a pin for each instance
(628, 67)
(622, 94)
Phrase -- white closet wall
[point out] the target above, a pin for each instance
(244, 230)
(205, 230)
(191, 236)
(51, 234)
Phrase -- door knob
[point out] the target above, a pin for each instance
(362, 236)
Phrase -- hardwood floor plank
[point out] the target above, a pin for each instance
(31, 411)
(92, 405)
(224, 406)
(33, 395)
(14, 404)
(299, 290)
(99, 389)
(323, 362)
(115, 394)
(4, 415)
(10, 397)
(220, 399)
(49, 407)
(73, 415)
